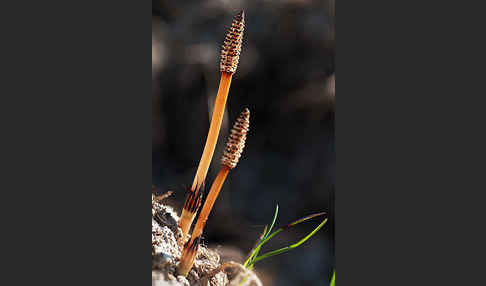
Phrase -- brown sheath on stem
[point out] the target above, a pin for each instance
(210, 200)
(191, 205)
(230, 54)
(231, 156)
(188, 255)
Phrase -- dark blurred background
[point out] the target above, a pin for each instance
(286, 79)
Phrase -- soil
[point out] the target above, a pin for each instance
(208, 270)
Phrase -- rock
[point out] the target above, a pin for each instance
(167, 249)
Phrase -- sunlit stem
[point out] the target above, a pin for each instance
(210, 200)
(214, 127)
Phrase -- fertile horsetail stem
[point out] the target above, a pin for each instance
(230, 54)
(231, 156)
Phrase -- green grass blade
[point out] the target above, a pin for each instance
(304, 219)
(290, 247)
(256, 250)
(268, 237)
(273, 221)
(265, 234)
(252, 258)
(333, 279)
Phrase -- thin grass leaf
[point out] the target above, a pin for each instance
(292, 246)
(254, 251)
(273, 221)
(257, 248)
(333, 279)
(288, 226)
(265, 234)
(304, 219)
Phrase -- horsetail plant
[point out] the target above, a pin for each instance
(230, 55)
(231, 156)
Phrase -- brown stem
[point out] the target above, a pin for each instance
(190, 249)
(230, 54)
(231, 156)
(188, 256)
(191, 206)
(210, 200)
(187, 217)
(215, 126)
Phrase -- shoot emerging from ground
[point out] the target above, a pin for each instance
(231, 156)
(267, 235)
